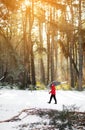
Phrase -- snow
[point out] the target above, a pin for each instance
(14, 101)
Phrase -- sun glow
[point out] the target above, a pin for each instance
(27, 2)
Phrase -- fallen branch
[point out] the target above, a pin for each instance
(74, 117)
(17, 116)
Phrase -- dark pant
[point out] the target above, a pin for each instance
(53, 96)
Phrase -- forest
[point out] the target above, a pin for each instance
(42, 41)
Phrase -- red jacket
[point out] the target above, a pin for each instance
(53, 90)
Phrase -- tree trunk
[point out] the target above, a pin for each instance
(33, 68)
(52, 59)
(48, 58)
(80, 51)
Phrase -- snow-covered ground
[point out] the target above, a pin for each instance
(14, 101)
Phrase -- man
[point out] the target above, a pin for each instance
(53, 93)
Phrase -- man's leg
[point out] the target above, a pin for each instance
(50, 98)
(55, 99)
